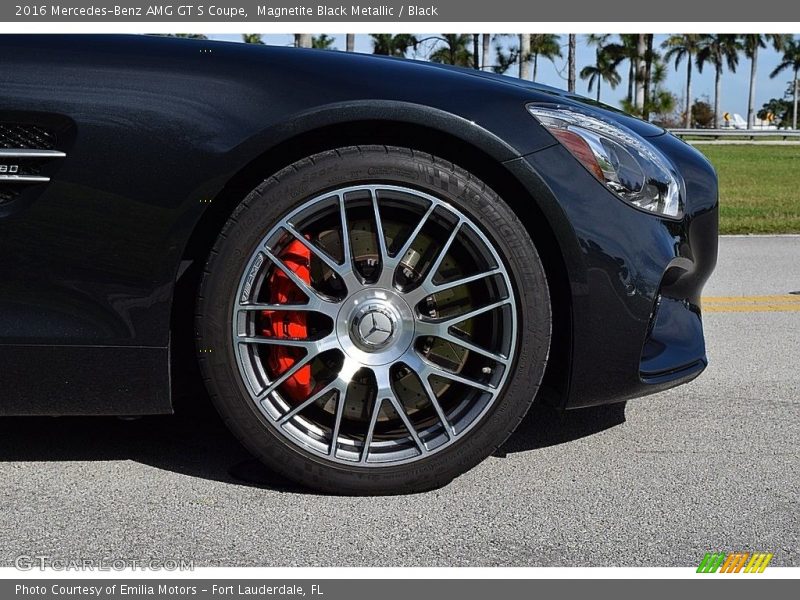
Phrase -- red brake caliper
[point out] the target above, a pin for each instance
(289, 324)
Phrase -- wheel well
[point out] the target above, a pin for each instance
(471, 158)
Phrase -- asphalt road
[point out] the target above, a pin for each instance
(712, 465)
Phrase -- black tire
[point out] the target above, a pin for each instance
(334, 169)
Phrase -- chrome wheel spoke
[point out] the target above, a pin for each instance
(312, 346)
(425, 369)
(445, 374)
(442, 254)
(333, 385)
(379, 233)
(416, 364)
(268, 307)
(273, 385)
(371, 430)
(458, 341)
(386, 392)
(306, 288)
(393, 262)
(425, 289)
(316, 250)
(347, 253)
(341, 398)
(441, 325)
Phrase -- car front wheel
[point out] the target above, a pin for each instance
(373, 320)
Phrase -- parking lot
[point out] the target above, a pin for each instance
(712, 465)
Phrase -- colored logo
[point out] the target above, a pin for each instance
(736, 562)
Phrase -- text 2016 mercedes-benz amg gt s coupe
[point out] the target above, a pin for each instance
(379, 264)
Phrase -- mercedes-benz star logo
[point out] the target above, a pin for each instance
(375, 328)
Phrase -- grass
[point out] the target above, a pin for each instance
(759, 187)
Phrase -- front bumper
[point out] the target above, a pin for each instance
(634, 278)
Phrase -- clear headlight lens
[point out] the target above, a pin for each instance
(619, 158)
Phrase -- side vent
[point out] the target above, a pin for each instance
(25, 151)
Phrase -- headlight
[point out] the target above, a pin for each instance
(619, 158)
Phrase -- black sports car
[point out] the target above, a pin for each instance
(382, 263)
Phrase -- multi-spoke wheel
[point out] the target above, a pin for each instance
(387, 330)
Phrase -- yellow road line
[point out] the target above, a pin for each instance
(750, 299)
(743, 304)
(753, 308)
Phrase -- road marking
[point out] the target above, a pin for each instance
(743, 304)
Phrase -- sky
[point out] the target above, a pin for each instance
(734, 85)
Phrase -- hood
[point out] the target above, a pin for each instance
(546, 93)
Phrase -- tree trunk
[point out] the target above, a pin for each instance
(302, 40)
(571, 60)
(351, 42)
(630, 81)
(476, 53)
(687, 120)
(599, 82)
(524, 55)
(535, 66)
(717, 89)
(638, 85)
(648, 72)
(487, 48)
(751, 98)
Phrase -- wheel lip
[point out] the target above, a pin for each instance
(245, 281)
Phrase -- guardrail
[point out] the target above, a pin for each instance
(751, 134)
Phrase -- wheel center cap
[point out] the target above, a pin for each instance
(375, 327)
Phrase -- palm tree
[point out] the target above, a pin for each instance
(322, 42)
(545, 45)
(624, 50)
(503, 61)
(680, 47)
(186, 36)
(660, 101)
(252, 38)
(650, 56)
(791, 61)
(718, 50)
(455, 50)
(629, 51)
(524, 55)
(351, 42)
(572, 43)
(751, 43)
(602, 70)
(392, 45)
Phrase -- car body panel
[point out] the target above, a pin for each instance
(154, 129)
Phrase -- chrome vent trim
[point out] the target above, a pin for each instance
(24, 179)
(26, 154)
(30, 153)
